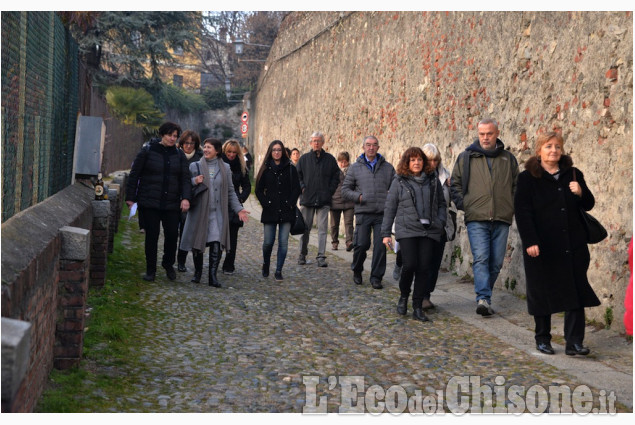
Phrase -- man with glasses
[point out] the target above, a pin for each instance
(367, 183)
(319, 177)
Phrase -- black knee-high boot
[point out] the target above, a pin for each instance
(214, 260)
(198, 266)
(181, 257)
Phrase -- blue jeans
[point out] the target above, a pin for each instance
(283, 243)
(488, 241)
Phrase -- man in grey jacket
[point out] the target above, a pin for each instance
(366, 184)
(319, 177)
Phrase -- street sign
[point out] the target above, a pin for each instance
(243, 129)
(245, 117)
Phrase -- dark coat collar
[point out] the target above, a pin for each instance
(535, 169)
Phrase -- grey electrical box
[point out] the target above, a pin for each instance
(89, 145)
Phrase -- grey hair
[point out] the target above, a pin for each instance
(318, 134)
(486, 121)
(431, 151)
(370, 137)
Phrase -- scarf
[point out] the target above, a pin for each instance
(202, 212)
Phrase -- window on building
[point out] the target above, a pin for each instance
(177, 80)
(135, 37)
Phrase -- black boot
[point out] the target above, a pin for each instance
(418, 313)
(181, 257)
(198, 266)
(214, 260)
(402, 305)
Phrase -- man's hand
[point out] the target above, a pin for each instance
(185, 205)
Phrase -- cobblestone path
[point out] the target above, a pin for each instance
(246, 347)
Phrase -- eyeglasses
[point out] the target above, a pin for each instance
(276, 150)
(188, 143)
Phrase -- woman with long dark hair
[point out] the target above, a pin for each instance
(232, 155)
(207, 222)
(415, 204)
(277, 189)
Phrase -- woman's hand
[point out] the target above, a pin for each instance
(388, 242)
(130, 204)
(533, 251)
(198, 179)
(575, 188)
(243, 215)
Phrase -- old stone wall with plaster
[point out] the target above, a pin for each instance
(412, 78)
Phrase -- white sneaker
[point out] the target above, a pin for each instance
(484, 308)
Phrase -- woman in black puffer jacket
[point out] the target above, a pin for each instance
(159, 183)
(232, 154)
(277, 189)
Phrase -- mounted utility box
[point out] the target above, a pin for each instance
(89, 146)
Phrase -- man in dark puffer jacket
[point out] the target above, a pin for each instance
(366, 184)
(160, 184)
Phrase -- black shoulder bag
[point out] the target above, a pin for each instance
(594, 230)
(298, 227)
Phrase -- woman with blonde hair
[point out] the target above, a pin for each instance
(434, 165)
(549, 196)
(242, 186)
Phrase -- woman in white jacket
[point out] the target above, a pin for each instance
(434, 162)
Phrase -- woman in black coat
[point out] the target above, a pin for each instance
(190, 144)
(159, 183)
(277, 190)
(242, 186)
(549, 196)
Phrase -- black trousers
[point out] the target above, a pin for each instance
(365, 224)
(573, 327)
(153, 219)
(230, 256)
(417, 255)
(433, 271)
(182, 255)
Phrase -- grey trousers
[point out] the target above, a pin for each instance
(322, 224)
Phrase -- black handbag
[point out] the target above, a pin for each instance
(298, 226)
(198, 189)
(595, 232)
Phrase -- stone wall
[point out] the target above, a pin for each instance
(51, 252)
(416, 77)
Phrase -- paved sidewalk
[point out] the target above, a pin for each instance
(253, 345)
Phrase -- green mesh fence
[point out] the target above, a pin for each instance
(40, 89)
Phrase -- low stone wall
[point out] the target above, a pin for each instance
(51, 253)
